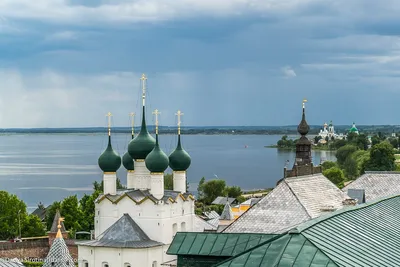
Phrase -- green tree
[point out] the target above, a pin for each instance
(350, 167)
(361, 141)
(100, 186)
(317, 138)
(233, 191)
(335, 175)
(32, 226)
(168, 181)
(12, 212)
(344, 152)
(375, 140)
(72, 214)
(328, 164)
(394, 142)
(381, 158)
(339, 143)
(213, 189)
(361, 157)
(200, 191)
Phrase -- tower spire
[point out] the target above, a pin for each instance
(179, 114)
(132, 116)
(59, 235)
(109, 115)
(143, 79)
(156, 113)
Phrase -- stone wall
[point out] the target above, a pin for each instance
(302, 170)
(37, 249)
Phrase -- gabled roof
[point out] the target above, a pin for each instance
(213, 244)
(58, 255)
(211, 215)
(377, 184)
(124, 233)
(293, 201)
(139, 196)
(40, 211)
(223, 200)
(363, 235)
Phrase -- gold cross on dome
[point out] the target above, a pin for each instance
(179, 114)
(109, 115)
(143, 79)
(132, 115)
(156, 113)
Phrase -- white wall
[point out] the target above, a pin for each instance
(117, 257)
(156, 220)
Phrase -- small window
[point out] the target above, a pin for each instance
(174, 229)
(127, 265)
(105, 264)
(86, 264)
(183, 227)
(154, 264)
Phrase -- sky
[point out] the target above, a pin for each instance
(225, 62)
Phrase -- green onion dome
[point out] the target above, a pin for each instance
(127, 161)
(142, 144)
(109, 160)
(354, 128)
(179, 160)
(157, 160)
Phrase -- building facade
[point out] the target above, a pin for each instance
(134, 227)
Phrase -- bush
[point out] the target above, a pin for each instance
(335, 175)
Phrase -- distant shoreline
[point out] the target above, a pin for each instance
(194, 130)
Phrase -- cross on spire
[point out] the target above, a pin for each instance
(132, 115)
(179, 114)
(143, 79)
(156, 113)
(304, 103)
(109, 115)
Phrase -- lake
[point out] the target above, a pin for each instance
(48, 167)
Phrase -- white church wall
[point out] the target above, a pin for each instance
(155, 220)
(119, 257)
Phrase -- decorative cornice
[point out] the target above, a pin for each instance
(179, 171)
(139, 160)
(157, 173)
(131, 171)
(110, 173)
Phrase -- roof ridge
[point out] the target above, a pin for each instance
(306, 225)
(382, 172)
(298, 200)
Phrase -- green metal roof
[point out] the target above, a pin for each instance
(215, 244)
(288, 250)
(363, 235)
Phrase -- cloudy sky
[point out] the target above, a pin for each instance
(224, 62)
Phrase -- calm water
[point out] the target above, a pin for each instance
(45, 168)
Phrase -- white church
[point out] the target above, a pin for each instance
(328, 131)
(134, 227)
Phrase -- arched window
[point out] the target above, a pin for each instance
(174, 229)
(154, 264)
(105, 264)
(85, 264)
(183, 227)
(127, 264)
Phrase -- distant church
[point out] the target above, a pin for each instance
(134, 227)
